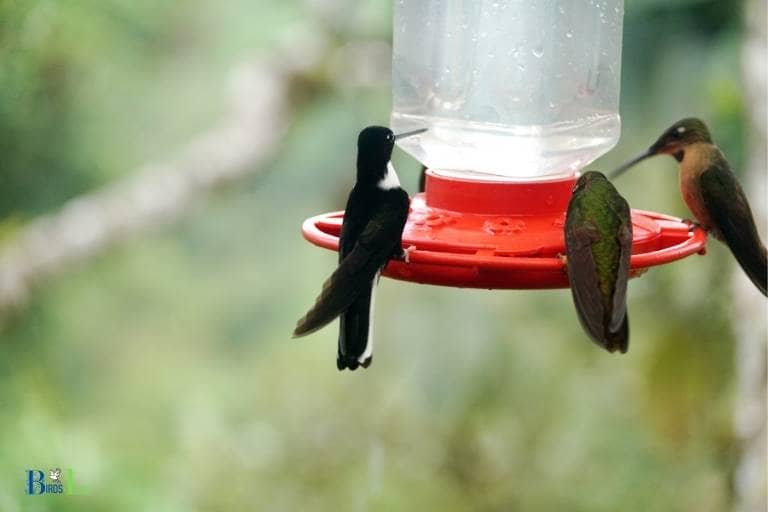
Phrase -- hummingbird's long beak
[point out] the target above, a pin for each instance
(639, 158)
(408, 134)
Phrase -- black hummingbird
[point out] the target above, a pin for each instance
(598, 242)
(371, 234)
(712, 193)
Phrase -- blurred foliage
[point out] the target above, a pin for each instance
(162, 372)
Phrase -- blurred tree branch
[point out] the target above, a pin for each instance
(262, 96)
(749, 306)
(239, 144)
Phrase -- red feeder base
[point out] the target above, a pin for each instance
(480, 234)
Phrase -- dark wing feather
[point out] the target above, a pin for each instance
(355, 220)
(619, 313)
(582, 275)
(729, 210)
(356, 271)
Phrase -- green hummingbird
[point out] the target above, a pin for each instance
(598, 245)
(712, 193)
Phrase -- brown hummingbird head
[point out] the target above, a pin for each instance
(674, 141)
(680, 135)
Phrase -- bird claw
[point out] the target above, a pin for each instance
(563, 259)
(405, 253)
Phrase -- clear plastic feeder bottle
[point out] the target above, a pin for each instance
(509, 89)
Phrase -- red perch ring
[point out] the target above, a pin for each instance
(483, 234)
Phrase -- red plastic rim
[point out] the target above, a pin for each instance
(476, 234)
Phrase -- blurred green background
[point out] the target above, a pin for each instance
(162, 371)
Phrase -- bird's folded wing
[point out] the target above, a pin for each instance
(582, 274)
(726, 203)
(355, 272)
(622, 274)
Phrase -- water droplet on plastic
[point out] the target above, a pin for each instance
(569, 34)
(537, 51)
(518, 226)
(521, 67)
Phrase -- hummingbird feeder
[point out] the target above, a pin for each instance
(518, 97)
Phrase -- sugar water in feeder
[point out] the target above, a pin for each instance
(509, 89)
